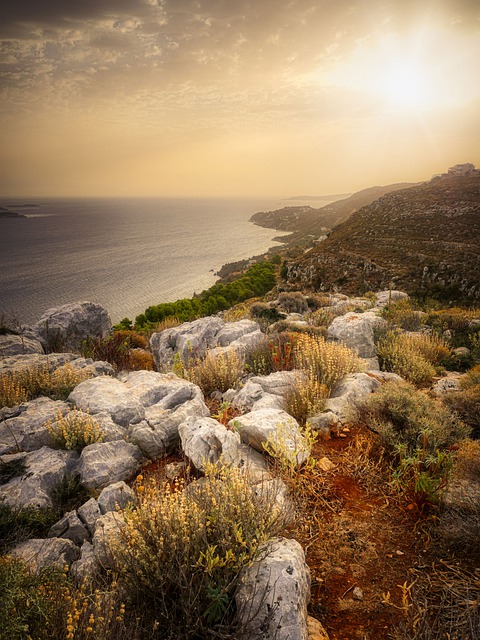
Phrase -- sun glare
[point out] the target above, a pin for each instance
(406, 87)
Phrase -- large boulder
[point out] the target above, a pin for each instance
(275, 425)
(89, 513)
(53, 362)
(274, 593)
(205, 440)
(27, 431)
(104, 463)
(52, 552)
(356, 331)
(108, 395)
(14, 345)
(194, 339)
(66, 327)
(45, 470)
(264, 392)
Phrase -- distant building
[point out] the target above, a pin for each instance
(467, 169)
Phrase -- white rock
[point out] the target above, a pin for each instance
(13, 345)
(274, 593)
(115, 496)
(256, 427)
(385, 297)
(355, 330)
(52, 552)
(70, 324)
(108, 532)
(108, 395)
(206, 440)
(27, 431)
(45, 470)
(104, 463)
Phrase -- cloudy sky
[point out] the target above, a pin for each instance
(234, 97)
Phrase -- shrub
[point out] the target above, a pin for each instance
(74, 430)
(275, 353)
(402, 314)
(140, 360)
(305, 399)
(467, 401)
(412, 356)
(286, 454)
(17, 525)
(401, 414)
(181, 551)
(325, 362)
(11, 468)
(114, 349)
(216, 372)
(20, 386)
(293, 302)
(47, 605)
(417, 431)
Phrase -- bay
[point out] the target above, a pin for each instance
(125, 254)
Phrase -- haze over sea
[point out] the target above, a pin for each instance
(125, 254)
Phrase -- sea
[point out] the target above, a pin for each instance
(125, 254)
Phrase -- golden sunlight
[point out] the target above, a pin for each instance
(407, 87)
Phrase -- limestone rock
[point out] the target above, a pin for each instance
(45, 470)
(274, 592)
(265, 392)
(71, 528)
(67, 326)
(89, 513)
(52, 552)
(27, 431)
(355, 330)
(108, 395)
(115, 496)
(257, 426)
(104, 463)
(13, 345)
(206, 440)
(233, 331)
(85, 566)
(190, 339)
(449, 384)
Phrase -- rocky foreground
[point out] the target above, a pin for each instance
(147, 414)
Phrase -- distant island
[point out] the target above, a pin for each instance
(7, 213)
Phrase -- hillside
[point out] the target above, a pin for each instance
(304, 221)
(425, 239)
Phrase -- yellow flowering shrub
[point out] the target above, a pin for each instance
(182, 548)
(74, 430)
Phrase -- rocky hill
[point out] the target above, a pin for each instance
(305, 222)
(425, 239)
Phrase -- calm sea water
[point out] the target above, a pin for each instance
(123, 254)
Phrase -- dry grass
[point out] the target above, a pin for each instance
(216, 372)
(305, 399)
(27, 384)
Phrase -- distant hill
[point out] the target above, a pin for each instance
(425, 239)
(307, 222)
(6, 213)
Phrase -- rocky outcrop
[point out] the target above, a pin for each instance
(258, 427)
(71, 528)
(264, 392)
(51, 552)
(274, 593)
(45, 470)
(194, 339)
(115, 497)
(104, 463)
(356, 331)
(14, 345)
(53, 362)
(66, 327)
(27, 430)
(207, 441)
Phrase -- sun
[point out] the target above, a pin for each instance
(406, 87)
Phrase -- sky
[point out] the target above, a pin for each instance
(234, 97)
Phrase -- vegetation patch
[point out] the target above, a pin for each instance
(74, 430)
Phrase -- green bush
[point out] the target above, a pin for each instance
(417, 431)
(466, 402)
(275, 353)
(257, 280)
